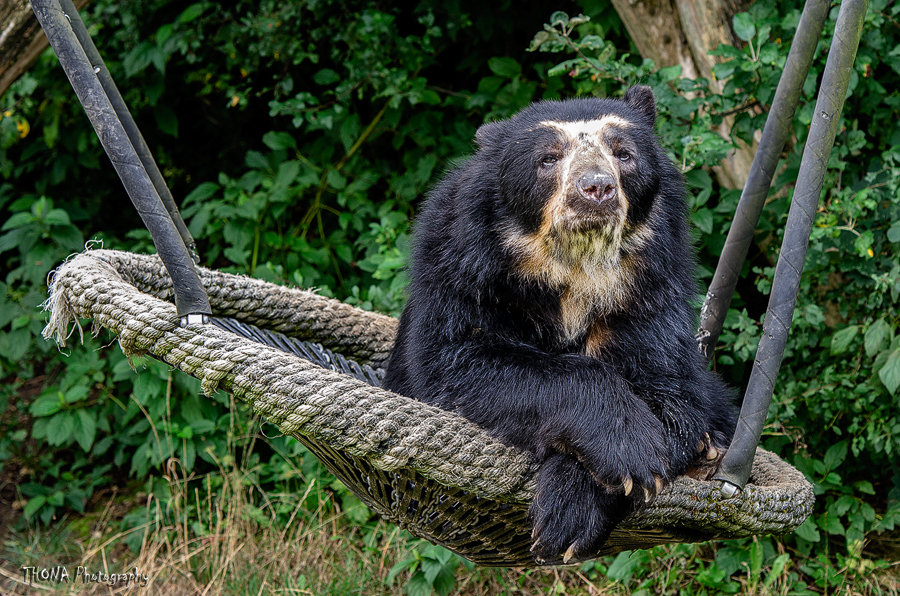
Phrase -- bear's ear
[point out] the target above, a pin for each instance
(488, 134)
(640, 98)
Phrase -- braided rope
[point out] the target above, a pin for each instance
(122, 291)
(296, 395)
(364, 336)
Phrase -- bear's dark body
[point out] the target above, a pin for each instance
(552, 276)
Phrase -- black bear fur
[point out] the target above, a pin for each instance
(551, 283)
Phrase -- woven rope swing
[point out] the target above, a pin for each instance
(427, 470)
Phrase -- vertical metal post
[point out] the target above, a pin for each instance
(736, 465)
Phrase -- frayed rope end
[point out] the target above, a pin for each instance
(61, 312)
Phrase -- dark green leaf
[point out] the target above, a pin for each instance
(203, 426)
(76, 393)
(418, 585)
(778, 566)
(60, 428)
(431, 568)
(703, 219)
(326, 76)
(14, 344)
(625, 564)
(166, 120)
(832, 525)
(890, 372)
(893, 232)
(256, 160)
(743, 26)
(865, 487)
(85, 429)
(835, 455)
(808, 531)
(400, 567)
(875, 335)
(57, 217)
(839, 508)
(46, 405)
(840, 341)
(444, 581)
(505, 67)
(34, 505)
(17, 220)
(335, 179)
(276, 140)
(190, 13)
(202, 192)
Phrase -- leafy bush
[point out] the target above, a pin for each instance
(300, 137)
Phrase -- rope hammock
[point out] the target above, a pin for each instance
(427, 470)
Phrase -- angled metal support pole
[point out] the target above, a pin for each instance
(753, 197)
(131, 129)
(736, 465)
(191, 301)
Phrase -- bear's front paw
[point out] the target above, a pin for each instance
(710, 451)
(572, 515)
(631, 458)
(639, 474)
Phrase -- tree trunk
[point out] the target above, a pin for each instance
(671, 32)
(21, 39)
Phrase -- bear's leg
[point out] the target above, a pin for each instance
(572, 515)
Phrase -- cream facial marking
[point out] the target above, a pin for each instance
(591, 128)
(584, 142)
(587, 134)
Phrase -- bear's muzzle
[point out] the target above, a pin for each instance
(596, 186)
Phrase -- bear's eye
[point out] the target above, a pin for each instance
(549, 160)
(623, 156)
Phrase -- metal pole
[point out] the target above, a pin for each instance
(191, 301)
(131, 129)
(736, 465)
(753, 198)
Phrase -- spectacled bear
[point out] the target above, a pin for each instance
(551, 282)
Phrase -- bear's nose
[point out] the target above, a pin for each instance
(597, 187)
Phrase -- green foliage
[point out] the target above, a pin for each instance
(431, 570)
(842, 364)
(300, 136)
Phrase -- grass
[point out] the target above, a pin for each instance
(226, 533)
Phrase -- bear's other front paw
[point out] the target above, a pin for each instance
(573, 516)
(710, 451)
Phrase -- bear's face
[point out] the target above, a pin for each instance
(577, 181)
(579, 176)
(584, 166)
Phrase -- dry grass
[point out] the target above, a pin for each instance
(233, 537)
(243, 554)
(316, 553)
(224, 544)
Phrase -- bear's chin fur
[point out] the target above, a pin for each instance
(587, 244)
(586, 232)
